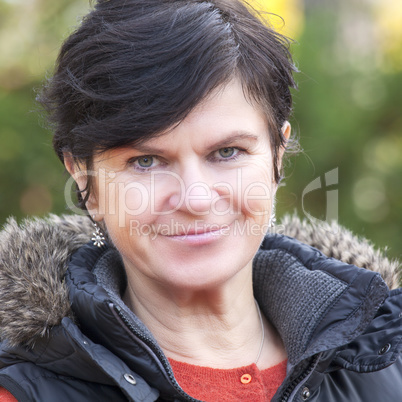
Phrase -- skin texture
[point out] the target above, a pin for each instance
(188, 210)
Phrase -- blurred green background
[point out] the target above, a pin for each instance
(348, 111)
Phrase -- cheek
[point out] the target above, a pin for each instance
(257, 192)
(248, 191)
(257, 200)
(124, 199)
(133, 199)
(166, 193)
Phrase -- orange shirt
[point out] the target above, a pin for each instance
(240, 384)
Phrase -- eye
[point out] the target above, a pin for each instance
(145, 161)
(227, 152)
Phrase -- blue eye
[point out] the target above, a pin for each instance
(145, 161)
(227, 152)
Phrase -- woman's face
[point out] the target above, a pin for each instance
(189, 209)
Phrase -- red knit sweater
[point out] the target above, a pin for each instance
(5, 396)
(240, 384)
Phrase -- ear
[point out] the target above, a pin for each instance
(286, 130)
(76, 170)
(79, 174)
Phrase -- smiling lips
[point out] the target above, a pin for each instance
(200, 236)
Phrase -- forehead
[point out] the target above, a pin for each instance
(225, 118)
(226, 99)
(225, 111)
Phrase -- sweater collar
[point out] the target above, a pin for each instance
(315, 302)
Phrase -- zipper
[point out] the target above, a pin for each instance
(301, 379)
(156, 350)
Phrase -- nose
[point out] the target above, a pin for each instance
(196, 194)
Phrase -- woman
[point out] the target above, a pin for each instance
(172, 118)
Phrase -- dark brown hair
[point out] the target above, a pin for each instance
(134, 69)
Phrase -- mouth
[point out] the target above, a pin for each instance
(201, 235)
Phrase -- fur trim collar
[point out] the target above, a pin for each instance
(34, 256)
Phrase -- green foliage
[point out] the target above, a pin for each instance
(31, 177)
(347, 113)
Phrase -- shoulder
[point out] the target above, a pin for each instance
(27, 381)
(346, 385)
(20, 379)
(33, 260)
(380, 345)
(369, 368)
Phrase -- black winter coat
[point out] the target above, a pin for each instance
(75, 340)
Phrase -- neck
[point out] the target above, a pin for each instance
(219, 327)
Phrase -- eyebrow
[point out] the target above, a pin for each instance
(233, 138)
(229, 140)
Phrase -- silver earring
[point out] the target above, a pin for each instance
(98, 237)
(272, 218)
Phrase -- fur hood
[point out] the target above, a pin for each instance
(34, 256)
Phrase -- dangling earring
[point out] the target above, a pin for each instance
(98, 237)
(272, 218)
